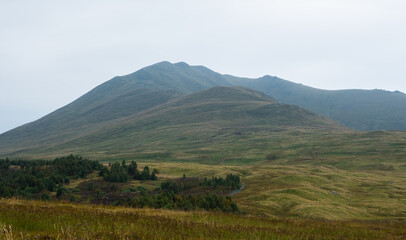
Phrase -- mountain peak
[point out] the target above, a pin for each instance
(161, 65)
(167, 64)
(182, 64)
(180, 77)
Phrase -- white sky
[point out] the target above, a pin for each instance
(52, 52)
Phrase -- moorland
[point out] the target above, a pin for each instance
(167, 144)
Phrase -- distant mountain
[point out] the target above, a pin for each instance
(357, 109)
(364, 110)
(152, 91)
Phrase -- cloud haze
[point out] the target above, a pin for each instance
(52, 52)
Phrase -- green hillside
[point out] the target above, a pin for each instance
(111, 103)
(215, 114)
(358, 109)
(89, 113)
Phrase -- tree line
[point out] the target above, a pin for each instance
(232, 181)
(122, 172)
(28, 177)
(170, 197)
(32, 178)
(170, 200)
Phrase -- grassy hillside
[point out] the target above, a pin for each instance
(113, 100)
(357, 109)
(92, 112)
(39, 220)
(299, 183)
(307, 174)
(296, 173)
(220, 114)
(287, 182)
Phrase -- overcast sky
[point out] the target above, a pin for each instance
(52, 52)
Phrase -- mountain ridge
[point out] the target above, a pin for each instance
(164, 82)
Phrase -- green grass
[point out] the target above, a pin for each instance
(40, 220)
(306, 191)
(299, 183)
(290, 173)
(324, 193)
(302, 191)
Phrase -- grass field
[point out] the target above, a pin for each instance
(302, 191)
(308, 191)
(40, 220)
(299, 184)
(334, 175)
(279, 201)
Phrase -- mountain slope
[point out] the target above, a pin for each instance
(225, 113)
(112, 100)
(222, 107)
(357, 109)
(124, 96)
(83, 116)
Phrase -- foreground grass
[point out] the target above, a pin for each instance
(50, 220)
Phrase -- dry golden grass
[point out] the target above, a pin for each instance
(307, 191)
(39, 220)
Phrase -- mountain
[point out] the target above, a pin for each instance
(112, 100)
(199, 117)
(232, 109)
(138, 95)
(364, 110)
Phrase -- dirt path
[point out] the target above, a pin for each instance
(236, 191)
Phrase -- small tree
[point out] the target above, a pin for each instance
(132, 168)
(153, 176)
(44, 197)
(90, 186)
(59, 192)
(104, 171)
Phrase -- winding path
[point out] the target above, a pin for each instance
(236, 191)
